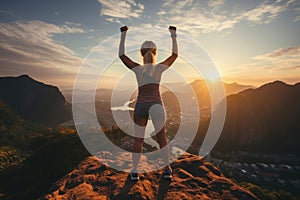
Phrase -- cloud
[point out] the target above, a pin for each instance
(111, 19)
(279, 64)
(266, 12)
(211, 16)
(215, 3)
(29, 48)
(281, 53)
(119, 9)
(283, 58)
(297, 18)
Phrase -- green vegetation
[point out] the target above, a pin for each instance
(33, 157)
(50, 156)
(31, 165)
(11, 126)
(10, 156)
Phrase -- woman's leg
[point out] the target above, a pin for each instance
(164, 146)
(158, 120)
(140, 125)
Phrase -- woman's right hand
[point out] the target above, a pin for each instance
(172, 30)
(124, 28)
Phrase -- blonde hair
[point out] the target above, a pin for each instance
(148, 51)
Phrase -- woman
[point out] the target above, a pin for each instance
(149, 101)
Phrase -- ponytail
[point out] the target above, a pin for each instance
(148, 51)
(149, 57)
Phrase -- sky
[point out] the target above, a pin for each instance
(250, 42)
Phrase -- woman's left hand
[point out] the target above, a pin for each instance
(172, 29)
(124, 28)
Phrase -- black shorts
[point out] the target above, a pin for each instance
(142, 109)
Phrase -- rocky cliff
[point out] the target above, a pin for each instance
(193, 178)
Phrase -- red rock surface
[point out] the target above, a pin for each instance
(193, 178)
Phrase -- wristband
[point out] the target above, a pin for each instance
(173, 35)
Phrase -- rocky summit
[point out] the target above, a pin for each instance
(193, 178)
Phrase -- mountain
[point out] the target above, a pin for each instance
(203, 94)
(193, 178)
(234, 88)
(35, 101)
(263, 119)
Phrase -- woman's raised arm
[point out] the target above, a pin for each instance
(170, 60)
(127, 61)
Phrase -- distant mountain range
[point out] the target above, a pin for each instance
(201, 89)
(263, 119)
(230, 88)
(35, 101)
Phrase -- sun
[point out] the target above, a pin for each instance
(212, 77)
